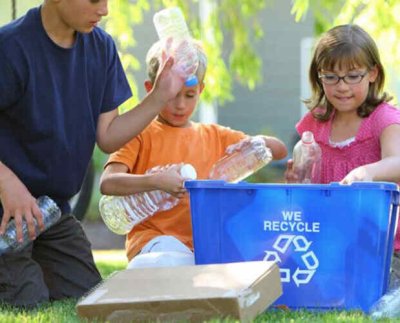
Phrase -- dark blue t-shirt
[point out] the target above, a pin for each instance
(50, 101)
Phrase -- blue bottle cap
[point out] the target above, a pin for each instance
(192, 81)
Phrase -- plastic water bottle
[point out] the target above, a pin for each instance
(307, 158)
(51, 214)
(387, 306)
(252, 155)
(172, 30)
(122, 213)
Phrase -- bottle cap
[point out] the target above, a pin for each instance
(192, 81)
(188, 171)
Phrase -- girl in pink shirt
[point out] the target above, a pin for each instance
(357, 130)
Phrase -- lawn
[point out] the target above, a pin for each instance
(110, 261)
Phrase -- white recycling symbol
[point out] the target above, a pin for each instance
(301, 244)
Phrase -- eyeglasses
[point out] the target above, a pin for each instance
(332, 79)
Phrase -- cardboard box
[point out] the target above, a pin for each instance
(239, 290)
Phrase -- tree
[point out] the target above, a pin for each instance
(236, 20)
(235, 27)
(380, 18)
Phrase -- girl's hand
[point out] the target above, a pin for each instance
(359, 174)
(18, 203)
(290, 175)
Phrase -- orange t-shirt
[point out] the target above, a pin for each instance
(200, 145)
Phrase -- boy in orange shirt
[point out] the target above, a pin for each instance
(166, 238)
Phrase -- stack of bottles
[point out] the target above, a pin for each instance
(50, 213)
(122, 213)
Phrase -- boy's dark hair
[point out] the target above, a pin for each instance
(346, 46)
(153, 59)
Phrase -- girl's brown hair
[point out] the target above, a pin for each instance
(345, 47)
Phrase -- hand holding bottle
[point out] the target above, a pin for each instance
(295, 176)
(18, 203)
(246, 142)
(306, 163)
(170, 180)
(122, 213)
(175, 38)
(241, 160)
(168, 82)
(50, 215)
(185, 61)
(290, 174)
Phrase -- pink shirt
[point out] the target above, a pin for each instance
(337, 162)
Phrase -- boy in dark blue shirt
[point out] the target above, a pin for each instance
(61, 82)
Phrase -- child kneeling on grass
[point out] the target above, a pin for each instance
(166, 238)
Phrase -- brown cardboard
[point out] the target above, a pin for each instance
(239, 290)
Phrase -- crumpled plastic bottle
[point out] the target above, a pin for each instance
(249, 156)
(174, 33)
(388, 306)
(307, 159)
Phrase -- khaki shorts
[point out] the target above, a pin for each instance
(163, 251)
(58, 264)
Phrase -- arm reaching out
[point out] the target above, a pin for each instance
(114, 130)
(117, 181)
(388, 168)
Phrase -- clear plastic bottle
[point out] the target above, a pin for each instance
(122, 213)
(387, 306)
(307, 159)
(173, 32)
(251, 156)
(51, 214)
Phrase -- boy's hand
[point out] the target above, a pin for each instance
(255, 141)
(186, 64)
(237, 146)
(19, 204)
(171, 181)
(168, 82)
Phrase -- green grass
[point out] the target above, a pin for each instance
(111, 261)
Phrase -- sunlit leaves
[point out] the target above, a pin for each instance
(299, 9)
(380, 18)
(229, 35)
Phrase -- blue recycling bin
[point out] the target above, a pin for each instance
(333, 243)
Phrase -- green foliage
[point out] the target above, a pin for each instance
(121, 25)
(299, 9)
(232, 29)
(380, 18)
(240, 18)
